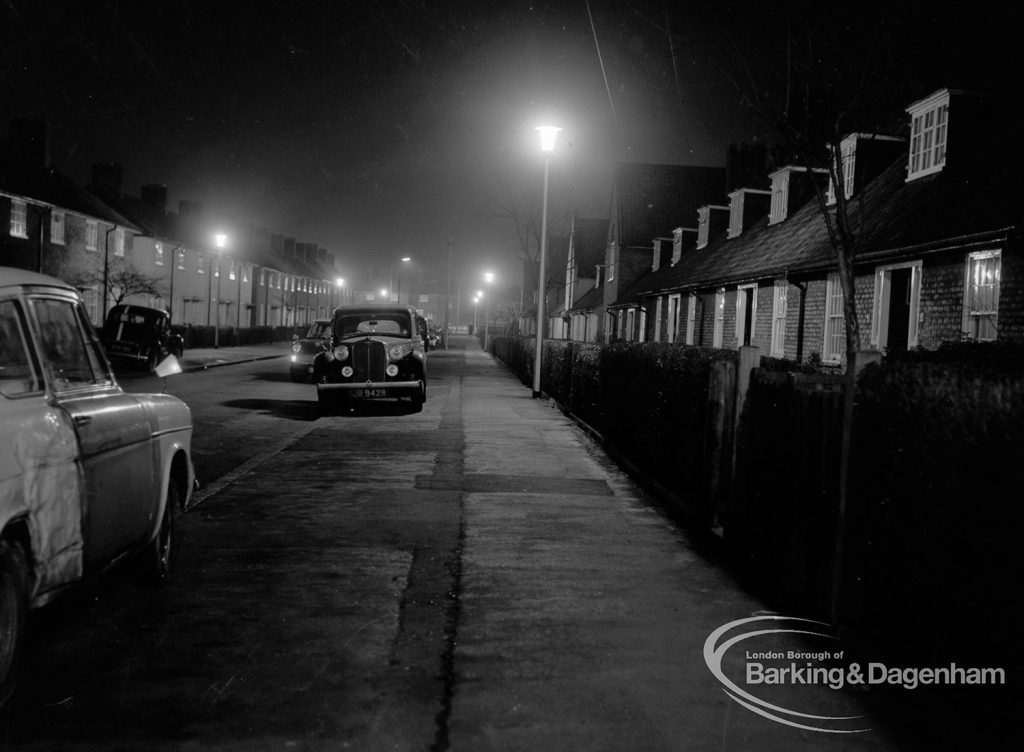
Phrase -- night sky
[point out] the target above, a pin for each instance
(383, 129)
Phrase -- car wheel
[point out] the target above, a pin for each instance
(419, 398)
(13, 610)
(160, 554)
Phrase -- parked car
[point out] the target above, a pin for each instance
(376, 352)
(89, 475)
(305, 350)
(140, 336)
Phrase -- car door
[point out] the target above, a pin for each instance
(116, 452)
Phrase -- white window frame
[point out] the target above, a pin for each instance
(780, 196)
(57, 225)
(119, 243)
(19, 218)
(880, 304)
(691, 317)
(741, 305)
(992, 312)
(672, 325)
(848, 155)
(718, 336)
(929, 130)
(642, 333)
(630, 325)
(92, 233)
(657, 320)
(833, 333)
(780, 314)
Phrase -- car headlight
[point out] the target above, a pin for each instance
(346, 371)
(341, 352)
(296, 347)
(397, 352)
(391, 370)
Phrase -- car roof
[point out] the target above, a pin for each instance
(374, 308)
(12, 277)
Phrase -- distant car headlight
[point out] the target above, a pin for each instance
(391, 370)
(346, 371)
(294, 358)
(341, 352)
(296, 347)
(397, 352)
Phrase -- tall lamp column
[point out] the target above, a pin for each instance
(547, 144)
(220, 240)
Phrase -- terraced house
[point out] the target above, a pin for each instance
(936, 209)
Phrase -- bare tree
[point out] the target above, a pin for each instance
(120, 280)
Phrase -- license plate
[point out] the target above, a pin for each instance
(372, 393)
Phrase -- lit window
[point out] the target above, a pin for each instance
(779, 311)
(181, 259)
(158, 255)
(691, 315)
(119, 241)
(928, 132)
(200, 263)
(57, 227)
(981, 295)
(719, 333)
(19, 219)
(835, 334)
(91, 235)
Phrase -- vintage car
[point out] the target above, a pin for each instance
(376, 352)
(305, 350)
(90, 475)
(139, 336)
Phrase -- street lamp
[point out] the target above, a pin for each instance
(220, 240)
(340, 284)
(397, 280)
(476, 310)
(488, 278)
(548, 134)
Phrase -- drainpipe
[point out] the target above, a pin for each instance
(46, 212)
(800, 321)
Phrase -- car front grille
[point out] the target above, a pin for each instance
(368, 361)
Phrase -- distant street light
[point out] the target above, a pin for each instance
(476, 309)
(339, 283)
(488, 278)
(547, 145)
(220, 240)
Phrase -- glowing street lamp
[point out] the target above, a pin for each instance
(339, 283)
(548, 134)
(476, 309)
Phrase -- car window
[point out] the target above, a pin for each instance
(370, 323)
(18, 374)
(69, 355)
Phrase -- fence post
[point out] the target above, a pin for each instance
(861, 359)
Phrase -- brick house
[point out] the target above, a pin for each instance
(647, 201)
(939, 258)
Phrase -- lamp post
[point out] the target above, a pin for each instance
(476, 310)
(220, 240)
(548, 134)
(488, 278)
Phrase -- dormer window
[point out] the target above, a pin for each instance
(703, 225)
(928, 133)
(848, 154)
(780, 196)
(745, 206)
(677, 245)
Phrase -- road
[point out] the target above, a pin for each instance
(316, 596)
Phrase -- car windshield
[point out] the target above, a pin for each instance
(319, 330)
(385, 323)
(132, 324)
